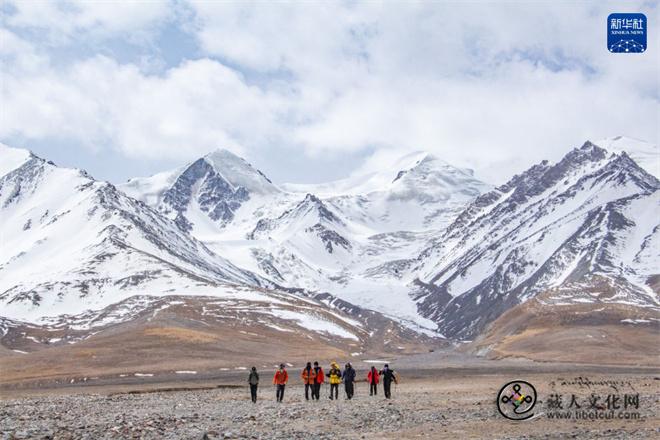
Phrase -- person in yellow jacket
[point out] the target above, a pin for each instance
(335, 379)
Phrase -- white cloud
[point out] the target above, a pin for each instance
(196, 107)
(496, 88)
(59, 22)
(481, 85)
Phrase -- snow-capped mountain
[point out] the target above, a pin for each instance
(420, 242)
(592, 213)
(211, 189)
(418, 192)
(645, 154)
(79, 257)
(306, 226)
(70, 243)
(349, 237)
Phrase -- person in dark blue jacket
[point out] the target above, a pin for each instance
(348, 376)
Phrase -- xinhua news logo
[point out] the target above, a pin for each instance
(626, 33)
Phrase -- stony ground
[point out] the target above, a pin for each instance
(451, 407)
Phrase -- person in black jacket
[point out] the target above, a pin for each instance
(349, 380)
(253, 380)
(387, 376)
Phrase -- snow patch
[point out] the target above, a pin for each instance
(313, 323)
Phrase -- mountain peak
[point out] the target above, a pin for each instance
(645, 154)
(588, 152)
(222, 154)
(417, 175)
(219, 183)
(426, 178)
(642, 178)
(311, 203)
(588, 145)
(417, 159)
(311, 198)
(239, 172)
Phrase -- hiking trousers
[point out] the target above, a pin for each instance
(253, 392)
(387, 385)
(349, 389)
(335, 387)
(279, 394)
(373, 389)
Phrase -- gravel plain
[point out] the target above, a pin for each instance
(442, 407)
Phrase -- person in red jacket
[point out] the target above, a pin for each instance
(309, 379)
(373, 378)
(280, 380)
(320, 377)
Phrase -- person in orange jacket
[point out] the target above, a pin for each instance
(320, 378)
(373, 378)
(309, 379)
(279, 380)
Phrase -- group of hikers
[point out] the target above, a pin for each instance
(313, 377)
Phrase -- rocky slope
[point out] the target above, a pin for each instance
(211, 189)
(589, 314)
(420, 248)
(353, 238)
(592, 213)
(71, 243)
(81, 259)
(152, 337)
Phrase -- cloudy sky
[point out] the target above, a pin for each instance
(310, 92)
